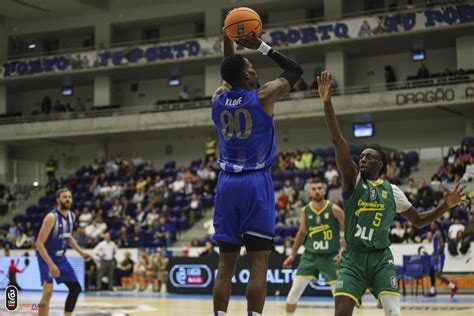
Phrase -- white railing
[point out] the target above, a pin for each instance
(163, 106)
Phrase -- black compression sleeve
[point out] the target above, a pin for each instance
(292, 70)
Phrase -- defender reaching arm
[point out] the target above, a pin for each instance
(346, 166)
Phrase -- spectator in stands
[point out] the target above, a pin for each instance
(423, 72)
(137, 161)
(137, 239)
(410, 234)
(468, 235)
(331, 173)
(58, 107)
(428, 238)
(435, 183)
(334, 183)
(139, 196)
(179, 184)
(195, 242)
(424, 195)
(143, 265)
(96, 228)
(393, 173)
(318, 163)
(51, 166)
(85, 63)
(80, 106)
(163, 232)
(365, 29)
(458, 169)
(209, 250)
(152, 217)
(455, 228)
(85, 218)
(161, 273)
(445, 170)
(194, 208)
(465, 154)
(404, 166)
(447, 73)
(183, 95)
(298, 91)
(390, 78)
(46, 105)
(397, 233)
(307, 158)
(469, 173)
(289, 190)
(115, 213)
(80, 235)
(291, 218)
(451, 156)
(124, 270)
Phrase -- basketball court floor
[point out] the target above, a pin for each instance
(127, 303)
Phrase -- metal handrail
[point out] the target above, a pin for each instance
(188, 105)
(403, 8)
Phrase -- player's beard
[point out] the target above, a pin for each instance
(65, 205)
(318, 198)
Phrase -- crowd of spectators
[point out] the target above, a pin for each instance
(46, 106)
(137, 204)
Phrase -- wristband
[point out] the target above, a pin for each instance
(341, 235)
(264, 48)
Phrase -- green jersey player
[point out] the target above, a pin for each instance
(370, 206)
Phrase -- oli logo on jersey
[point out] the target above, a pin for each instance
(11, 298)
(321, 245)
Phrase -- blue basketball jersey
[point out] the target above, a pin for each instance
(58, 240)
(246, 132)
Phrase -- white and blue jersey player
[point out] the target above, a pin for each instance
(53, 240)
(437, 261)
(242, 112)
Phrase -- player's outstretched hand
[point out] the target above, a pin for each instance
(288, 263)
(86, 256)
(250, 41)
(324, 86)
(453, 198)
(54, 271)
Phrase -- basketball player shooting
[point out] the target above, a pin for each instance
(54, 237)
(370, 206)
(245, 202)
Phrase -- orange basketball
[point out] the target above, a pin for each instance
(241, 22)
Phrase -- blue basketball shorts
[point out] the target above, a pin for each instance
(67, 274)
(244, 204)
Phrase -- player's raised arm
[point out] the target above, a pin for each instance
(452, 199)
(270, 92)
(344, 161)
(229, 51)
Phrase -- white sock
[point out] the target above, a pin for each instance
(289, 314)
(219, 313)
(432, 290)
(254, 314)
(452, 285)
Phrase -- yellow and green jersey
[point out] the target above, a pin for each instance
(322, 229)
(369, 212)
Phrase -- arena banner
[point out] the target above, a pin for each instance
(188, 275)
(25, 271)
(350, 28)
